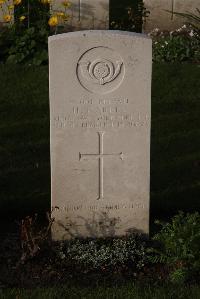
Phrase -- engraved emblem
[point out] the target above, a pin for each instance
(100, 70)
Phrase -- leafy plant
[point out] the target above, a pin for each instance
(127, 15)
(105, 254)
(178, 246)
(6, 40)
(193, 19)
(31, 237)
(180, 45)
(29, 46)
(24, 40)
(34, 12)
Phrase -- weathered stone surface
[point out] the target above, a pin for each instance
(160, 18)
(86, 14)
(100, 98)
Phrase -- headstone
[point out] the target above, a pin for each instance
(100, 98)
(160, 18)
(86, 14)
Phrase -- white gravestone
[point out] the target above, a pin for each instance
(100, 102)
(160, 18)
(86, 14)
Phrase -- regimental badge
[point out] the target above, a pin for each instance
(100, 70)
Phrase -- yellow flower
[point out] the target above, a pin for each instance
(7, 18)
(53, 21)
(46, 1)
(66, 17)
(22, 18)
(66, 3)
(10, 7)
(17, 2)
(60, 14)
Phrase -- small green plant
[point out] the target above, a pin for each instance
(105, 254)
(29, 23)
(6, 39)
(178, 246)
(181, 45)
(127, 15)
(32, 237)
(192, 18)
(29, 46)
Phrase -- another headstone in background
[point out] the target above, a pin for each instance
(100, 105)
(160, 18)
(86, 14)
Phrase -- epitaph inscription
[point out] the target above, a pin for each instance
(100, 110)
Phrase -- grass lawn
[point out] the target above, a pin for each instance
(124, 292)
(175, 145)
(24, 146)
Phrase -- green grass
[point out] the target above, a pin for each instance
(175, 146)
(24, 146)
(24, 140)
(123, 292)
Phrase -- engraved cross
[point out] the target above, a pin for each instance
(100, 156)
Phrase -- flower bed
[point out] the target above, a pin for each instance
(181, 45)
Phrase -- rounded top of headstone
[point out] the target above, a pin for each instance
(103, 33)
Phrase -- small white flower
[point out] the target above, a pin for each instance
(166, 43)
(156, 43)
(184, 26)
(162, 46)
(191, 33)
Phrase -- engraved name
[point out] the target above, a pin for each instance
(102, 114)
